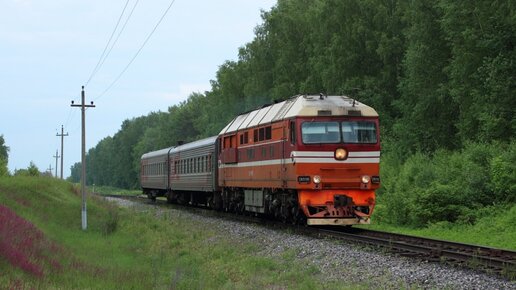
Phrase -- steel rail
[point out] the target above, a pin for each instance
(486, 259)
(491, 260)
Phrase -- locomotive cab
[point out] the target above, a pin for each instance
(336, 164)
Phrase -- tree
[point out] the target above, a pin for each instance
(4, 157)
(4, 171)
(429, 114)
(482, 66)
(75, 173)
(33, 169)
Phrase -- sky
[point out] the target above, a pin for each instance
(49, 49)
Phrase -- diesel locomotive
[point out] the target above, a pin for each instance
(310, 159)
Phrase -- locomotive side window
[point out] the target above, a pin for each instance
(244, 138)
(292, 132)
(262, 134)
(320, 132)
(359, 132)
(268, 133)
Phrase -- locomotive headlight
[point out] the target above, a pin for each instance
(341, 154)
(366, 179)
(317, 179)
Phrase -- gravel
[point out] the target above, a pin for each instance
(341, 262)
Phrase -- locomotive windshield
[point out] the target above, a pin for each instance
(356, 132)
(320, 132)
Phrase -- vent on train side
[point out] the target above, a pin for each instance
(354, 113)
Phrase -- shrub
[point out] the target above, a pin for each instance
(24, 245)
(503, 174)
(4, 171)
(447, 186)
(110, 221)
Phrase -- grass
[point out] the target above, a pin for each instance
(104, 190)
(42, 246)
(127, 249)
(496, 228)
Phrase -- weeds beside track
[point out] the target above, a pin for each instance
(481, 258)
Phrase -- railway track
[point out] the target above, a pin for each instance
(489, 260)
(486, 259)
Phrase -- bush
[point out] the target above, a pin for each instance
(447, 186)
(503, 174)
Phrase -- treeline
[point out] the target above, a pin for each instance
(4, 157)
(440, 73)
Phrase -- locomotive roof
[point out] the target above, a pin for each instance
(300, 106)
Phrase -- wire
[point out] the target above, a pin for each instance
(97, 67)
(69, 118)
(119, 33)
(138, 52)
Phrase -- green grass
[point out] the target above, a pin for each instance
(126, 249)
(494, 227)
(103, 190)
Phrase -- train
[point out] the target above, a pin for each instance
(310, 159)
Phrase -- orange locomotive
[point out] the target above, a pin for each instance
(312, 159)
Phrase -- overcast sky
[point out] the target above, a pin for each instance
(48, 50)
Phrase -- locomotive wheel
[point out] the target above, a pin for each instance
(217, 201)
(240, 207)
(285, 214)
(298, 218)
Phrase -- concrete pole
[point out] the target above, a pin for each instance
(62, 154)
(56, 157)
(83, 106)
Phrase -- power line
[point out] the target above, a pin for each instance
(97, 67)
(138, 52)
(70, 117)
(119, 33)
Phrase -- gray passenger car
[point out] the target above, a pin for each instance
(180, 172)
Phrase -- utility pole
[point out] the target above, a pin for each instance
(83, 158)
(49, 169)
(62, 154)
(56, 157)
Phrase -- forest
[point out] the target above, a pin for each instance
(440, 73)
